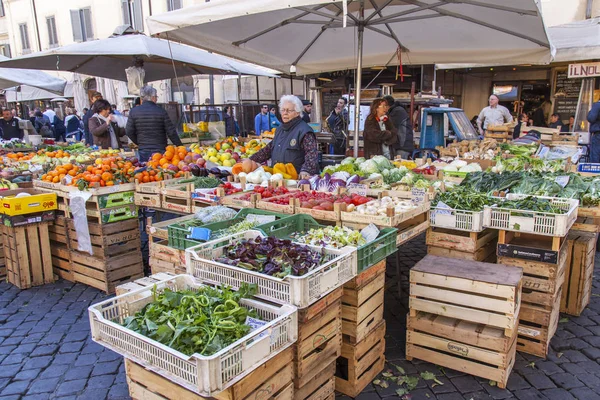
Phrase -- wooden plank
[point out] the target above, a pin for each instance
(320, 387)
(46, 255)
(479, 255)
(353, 332)
(22, 257)
(481, 272)
(468, 242)
(449, 296)
(33, 246)
(466, 284)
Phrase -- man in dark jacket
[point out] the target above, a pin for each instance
(401, 121)
(338, 124)
(149, 125)
(89, 138)
(10, 126)
(593, 118)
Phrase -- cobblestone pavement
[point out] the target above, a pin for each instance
(46, 350)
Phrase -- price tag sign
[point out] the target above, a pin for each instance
(562, 180)
(260, 219)
(443, 209)
(418, 195)
(358, 188)
(68, 179)
(370, 232)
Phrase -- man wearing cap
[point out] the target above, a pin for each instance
(89, 138)
(307, 110)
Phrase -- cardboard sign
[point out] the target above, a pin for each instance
(418, 196)
(370, 232)
(358, 188)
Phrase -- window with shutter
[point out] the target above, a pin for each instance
(138, 16)
(24, 37)
(174, 5)
(2, 13)
(86, 19)
(5, 50)
(76, 25)
(125, 12)
(52, 34)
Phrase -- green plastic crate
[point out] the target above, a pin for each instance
(178, 233)
(367, 255)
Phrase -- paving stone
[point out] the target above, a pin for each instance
(9, 371)
(592, 352)
(82, 372)
(421, 394)
(548, 367)
(27, 375)
(76, 336)
(43, 386)
(478, 396)
(32, 338)
(19, 387)
(450, 396)
(106, 368)
(108, 355)
(557, 394)
(466, 384)
(55, 370)
(93, 393)
(363, 396)
(118, 392)
(13, 341)
(575, 356)
(46, 350)
(578, 331)
(590, 380)
(516, 382)
(102, 381)
(496, 392)
(71, 347)
(585, 393)
(68, 358)
(86, 359)
(70, 387)
(573, 368)
(591, 367)
(38, 362)
(528, 394)
(14, 359)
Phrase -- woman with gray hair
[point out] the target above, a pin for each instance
(294, 141)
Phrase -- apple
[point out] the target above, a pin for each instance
(201, 162)
(236, 157)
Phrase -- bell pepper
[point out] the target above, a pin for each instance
(291, 171)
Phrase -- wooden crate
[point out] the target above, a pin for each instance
(27, 255)
(106, 274)
(319, 338)
(322, 386)
(61, 261)
(147, 200)
(482, 254)
(476, 349)
(577, 290)
(531, 247)
(360, 363)
(109, 240)
(271, 381)
(537, 325)
(586, 224)
(102, 216)
(408, 230)
(160, 229)
(176, 204)
(157, 266)
(541, 281)
(58, 230)
(468, 242)
(467, 290)
(2, 262)
(362, 303)
(161, 251)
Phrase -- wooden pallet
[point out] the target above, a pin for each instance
(106, 274)
(541, 281)
(577, 289)
(473, 348)
(537, 325)
(109, 240)
(270, 381)
(362, 303)
(27, 255)
(467, 290)
(319, 338)
(468, 242)
(61, 261)
(360, 363)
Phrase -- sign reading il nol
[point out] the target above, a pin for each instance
(587, 70)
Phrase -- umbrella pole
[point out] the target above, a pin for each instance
(358, 80)
(239, 88)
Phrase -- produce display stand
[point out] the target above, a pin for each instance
(447, 293)
(474, 246)
(204, 375)
(363, 331)
(577, 289)
(27, 255)
(391, 219)
(544, 269)
(565, 139)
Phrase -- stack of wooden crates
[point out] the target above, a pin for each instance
(466, 245)
(114, 234)
(464, 316)
(363, 331)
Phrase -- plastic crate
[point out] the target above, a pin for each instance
(301, 291)
(539, 223)
(462, 220)
(178, 233)
(205, 375)
(366, 255)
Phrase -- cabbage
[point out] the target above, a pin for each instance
(458, 163)
(369, 167)
(330, 169)
(375, 176)
(348, 160)
(395, 175)
(382, 163)
(360, 160)
(473, 167)
(451, 168)
(341, 175)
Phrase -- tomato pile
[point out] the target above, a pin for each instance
(229, 189)
(321, 200)
(267, 193)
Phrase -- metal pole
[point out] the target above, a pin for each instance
(361, 30)
(239, 88)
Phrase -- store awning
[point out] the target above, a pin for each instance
(30, 93)
(10, 77)
(310, 35)
(576, 41)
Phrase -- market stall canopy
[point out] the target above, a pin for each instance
(108, 58)
(576, 41)
(310, 35)
(10, 77)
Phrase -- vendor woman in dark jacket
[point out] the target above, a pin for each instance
(379, 133)
(105, 131)
(294, 141)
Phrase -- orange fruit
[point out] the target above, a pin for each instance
(169, 155)
(110, 183)
(107, 176)
(95, 178)
(146, 179)
(156, 156)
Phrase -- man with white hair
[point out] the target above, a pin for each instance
(294, 141)
(149, 126)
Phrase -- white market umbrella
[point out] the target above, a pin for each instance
(308, 36)
(576, 41)
(10, 77)
(108, 58)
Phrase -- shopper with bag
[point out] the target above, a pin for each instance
(42, 126)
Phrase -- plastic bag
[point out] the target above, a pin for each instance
(78, 210)
(135, 79)
(215, 213)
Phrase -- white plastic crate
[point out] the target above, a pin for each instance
(539, 223)
(463, 220)
(205, 375)
(301, 291)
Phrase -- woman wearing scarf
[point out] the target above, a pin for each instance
(105, 131)
(294, 141)
(379, 133)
